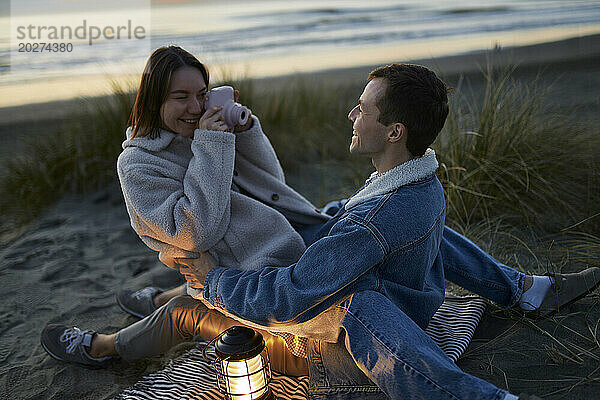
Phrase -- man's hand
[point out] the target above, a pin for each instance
(190, 277)
(196, 269)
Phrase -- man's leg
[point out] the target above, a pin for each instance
(401, 358)
(468, 266)
(334, 374)
(472, 268)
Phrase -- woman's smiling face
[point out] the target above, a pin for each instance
(184, 105)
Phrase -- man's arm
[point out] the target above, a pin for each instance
(329, 270)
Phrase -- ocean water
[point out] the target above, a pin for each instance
(241, 31)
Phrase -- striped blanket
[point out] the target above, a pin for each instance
(192, 377)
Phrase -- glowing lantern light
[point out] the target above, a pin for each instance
(242, 365)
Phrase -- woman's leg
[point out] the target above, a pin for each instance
(182, 318)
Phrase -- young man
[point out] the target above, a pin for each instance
(377, 262)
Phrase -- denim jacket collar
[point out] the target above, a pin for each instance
(405, 173)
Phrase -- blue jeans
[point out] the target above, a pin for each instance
(473, 269)
(384, 351)
(385, 354)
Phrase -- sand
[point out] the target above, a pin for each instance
(66, 267)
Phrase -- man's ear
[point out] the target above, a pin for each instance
(397, 131)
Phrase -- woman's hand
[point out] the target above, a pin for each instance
(195, 269)
(212, 120)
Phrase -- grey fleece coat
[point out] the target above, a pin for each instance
(185, 196)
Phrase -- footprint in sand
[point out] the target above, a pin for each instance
(29, 244)
(27, 261)
(9, 321)
(139, 265)
(88, 284)
(5, 350)
(61, 270)
(52, 223)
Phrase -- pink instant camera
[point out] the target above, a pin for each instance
(233, 113)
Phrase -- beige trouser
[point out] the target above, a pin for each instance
(184, 317)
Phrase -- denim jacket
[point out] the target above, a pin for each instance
(385, 239)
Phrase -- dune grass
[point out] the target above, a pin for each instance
(509, 157)
(77, 160)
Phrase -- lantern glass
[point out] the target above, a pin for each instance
(242, 365)
(246, 378)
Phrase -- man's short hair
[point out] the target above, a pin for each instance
(417, 98)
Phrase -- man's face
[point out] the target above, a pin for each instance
(185, 102)
(368, 135)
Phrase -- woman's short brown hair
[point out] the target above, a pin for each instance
(154, 87)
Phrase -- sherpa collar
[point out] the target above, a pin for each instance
(408, 172)
(165, 137)
(157, 144)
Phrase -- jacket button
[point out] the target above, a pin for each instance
(275, 197)
(235, 173)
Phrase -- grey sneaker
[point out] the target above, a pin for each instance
(140, 303)
(566, 289)
(71, 345)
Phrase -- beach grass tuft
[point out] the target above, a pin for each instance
(584, 247)
(507, 156)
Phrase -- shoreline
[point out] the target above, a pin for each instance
(566, 50)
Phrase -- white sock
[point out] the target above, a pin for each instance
(532, 298)
(511, 397)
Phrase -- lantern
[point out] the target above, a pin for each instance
(242, 366)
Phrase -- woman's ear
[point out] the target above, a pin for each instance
(397, 132)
